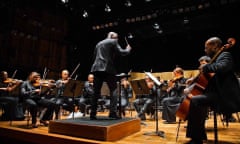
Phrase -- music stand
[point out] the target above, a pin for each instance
(139, 87)
(73, 88)
(159, 84)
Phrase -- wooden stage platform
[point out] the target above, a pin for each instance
(18, 133)
(104, 128)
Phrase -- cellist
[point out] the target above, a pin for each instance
(222, 92)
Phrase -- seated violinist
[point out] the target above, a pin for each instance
(32, 95)
(175, 96)
(62, 101)
(7, 86)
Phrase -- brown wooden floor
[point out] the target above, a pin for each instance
(226, 135)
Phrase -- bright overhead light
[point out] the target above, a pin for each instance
(128, 3)
(85, 14)
(64, 1)
(107, 8)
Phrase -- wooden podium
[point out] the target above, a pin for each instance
(104, 128)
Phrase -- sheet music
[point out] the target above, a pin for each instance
(157, 82)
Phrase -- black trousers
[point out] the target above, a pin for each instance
(111, 80)
(197, 115)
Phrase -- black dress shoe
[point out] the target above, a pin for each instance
(194, 141)
(34, 126)
(93, 118)
(142, 116)
(113, 116)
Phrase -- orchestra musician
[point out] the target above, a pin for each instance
(33, 98)
(175, 96)
(11, 109)
(66, 102)
(88, 93)
(126, 94)
(143, 104)
(221, 93)
(204, 60)
(104, 69)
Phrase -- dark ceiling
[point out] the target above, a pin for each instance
(173, 16)
(184, 25)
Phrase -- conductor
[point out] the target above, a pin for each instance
(104, 69)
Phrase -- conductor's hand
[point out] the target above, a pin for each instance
(128, 47)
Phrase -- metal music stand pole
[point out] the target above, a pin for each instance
(119, 98)
(157, 132)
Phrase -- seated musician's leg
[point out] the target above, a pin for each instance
(147, 105)
(33, 107)
(48, 115)
(170, 105)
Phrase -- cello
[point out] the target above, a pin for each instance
(199, 84)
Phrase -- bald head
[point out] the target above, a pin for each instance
(212, 46)
(214, 41)
(112, 35)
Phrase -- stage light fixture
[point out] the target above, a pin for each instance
(186, 20)
(85, 14)
(148, 0)
(130, 36)
(64, 1)
(107, 8)
(157, 27)
(128, 3)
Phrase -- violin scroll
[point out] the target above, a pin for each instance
(230, 42)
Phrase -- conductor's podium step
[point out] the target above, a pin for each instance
(104, 128)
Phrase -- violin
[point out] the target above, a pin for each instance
(176, 78)
(46, 83)
(12, 81)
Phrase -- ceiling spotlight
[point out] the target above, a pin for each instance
(185, 21)
(64, 1)
(130, 36)
(156, 26)
(107, 8)
(148, 0)
(160, 31)
(85, 14)
(128, 3)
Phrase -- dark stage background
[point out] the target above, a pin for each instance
(53, 34)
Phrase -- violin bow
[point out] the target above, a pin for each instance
(75, 70)
(14, 73)
(44, 76)
(126, 40)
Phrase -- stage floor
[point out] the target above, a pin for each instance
(18, 133)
